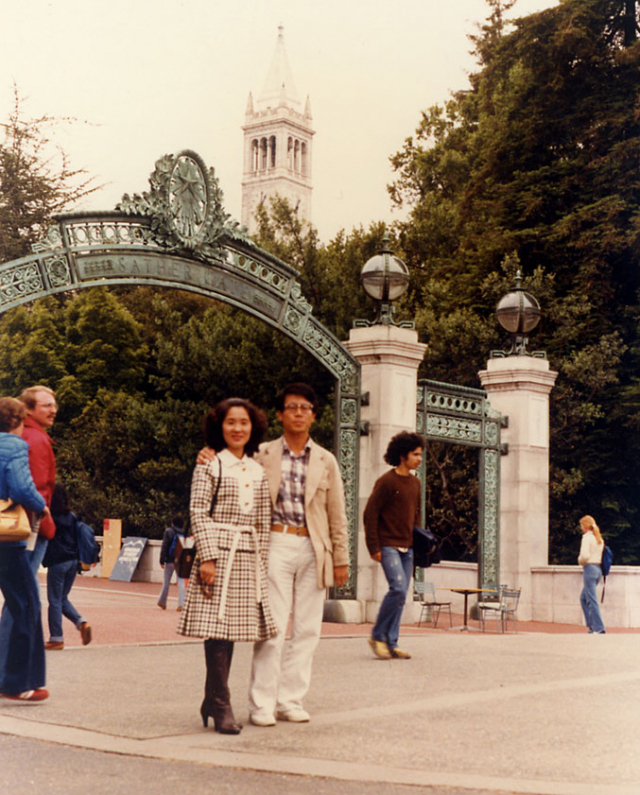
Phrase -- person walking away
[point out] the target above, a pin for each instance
(22, 668)
(230, 514)
(392, 511)
(590, 558)
(167, 552)
(61, 559)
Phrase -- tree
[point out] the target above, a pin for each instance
(36, 181)
(539, 160)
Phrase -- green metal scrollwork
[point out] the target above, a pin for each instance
(460, 415)
(177, 235)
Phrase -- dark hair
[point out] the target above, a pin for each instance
(214, 419)
(401, 445)
(59, 500)
(304, 390)
(178, 521)
(12, 413)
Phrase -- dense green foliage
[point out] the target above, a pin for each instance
(536, 167)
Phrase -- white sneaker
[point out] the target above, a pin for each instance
(296, 715)
(262, 720)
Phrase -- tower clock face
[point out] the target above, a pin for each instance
(188, 198)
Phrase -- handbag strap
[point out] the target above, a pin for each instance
(215, 494)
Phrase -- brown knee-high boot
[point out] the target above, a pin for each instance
(216, 702)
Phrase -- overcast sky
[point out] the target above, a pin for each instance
(152, 77)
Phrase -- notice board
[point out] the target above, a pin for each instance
(132, 549)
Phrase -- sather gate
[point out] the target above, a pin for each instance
(461, 415)
(177, 235)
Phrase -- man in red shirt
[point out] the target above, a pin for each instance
(392, 511)
(41, 413)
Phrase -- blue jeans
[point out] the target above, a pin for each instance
(169, 568)
(397, 567)
(60, 579)
(591, 575)
(23, 665)
(34, 558)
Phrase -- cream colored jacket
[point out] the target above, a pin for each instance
(324, 505)
(590, 550)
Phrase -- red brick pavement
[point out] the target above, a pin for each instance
(127, 613)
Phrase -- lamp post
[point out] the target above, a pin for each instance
(518, 313)
(385, 278)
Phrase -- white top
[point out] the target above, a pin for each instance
(246, 471)
(590, 550)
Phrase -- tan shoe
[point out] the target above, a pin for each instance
(380, 649)
(400, 655)
(85, 633)
(298, 715)
(54, 645)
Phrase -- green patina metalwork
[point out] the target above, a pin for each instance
(460, 415)
(177, 235)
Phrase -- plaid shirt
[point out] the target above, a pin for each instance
(289, 508)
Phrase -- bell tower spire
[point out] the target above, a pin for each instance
(277, 142)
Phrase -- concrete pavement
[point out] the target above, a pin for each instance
(548, 711)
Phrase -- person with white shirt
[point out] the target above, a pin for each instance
(590, 558)
(230, 511)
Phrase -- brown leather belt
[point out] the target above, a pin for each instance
(285, 528)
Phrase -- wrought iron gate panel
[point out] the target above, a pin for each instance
(461, 415)
(177, 235)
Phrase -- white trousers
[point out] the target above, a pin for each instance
(279, 682)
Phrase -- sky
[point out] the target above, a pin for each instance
(147, 78)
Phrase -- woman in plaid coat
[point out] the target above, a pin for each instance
(227, 595)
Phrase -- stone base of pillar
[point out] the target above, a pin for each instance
(344, 611)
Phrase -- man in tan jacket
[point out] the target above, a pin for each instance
(308, 552)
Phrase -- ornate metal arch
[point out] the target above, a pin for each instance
(460, 415)
(177, 235)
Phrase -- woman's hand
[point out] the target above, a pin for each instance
(206, 455)
(208, 572)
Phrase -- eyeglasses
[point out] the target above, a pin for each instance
(305, 407)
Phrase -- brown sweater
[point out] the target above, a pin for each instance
(392, 511)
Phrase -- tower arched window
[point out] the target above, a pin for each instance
(290, 153)
(254, 155)
(296, 157)
(304, 163)
(272, 152)
(263, 153)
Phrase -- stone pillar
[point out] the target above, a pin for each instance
(390, 357)
(519, 387)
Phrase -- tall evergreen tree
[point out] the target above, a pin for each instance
(540, 158)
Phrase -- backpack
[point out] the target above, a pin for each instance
(88, 549)
(426, 548)
(607, 560)
(171, 554)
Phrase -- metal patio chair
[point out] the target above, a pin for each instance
(429, 602)
(509, 599)
(489, 601)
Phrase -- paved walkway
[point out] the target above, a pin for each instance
(549, 710)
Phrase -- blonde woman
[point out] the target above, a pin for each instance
(590, 558)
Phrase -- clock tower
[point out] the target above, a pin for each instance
(277, 143)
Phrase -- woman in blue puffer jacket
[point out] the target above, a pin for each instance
(22, 672)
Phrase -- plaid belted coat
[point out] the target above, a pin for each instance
(244, 618)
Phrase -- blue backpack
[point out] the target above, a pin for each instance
(607, 560)
(171, 555)
(88, 549)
